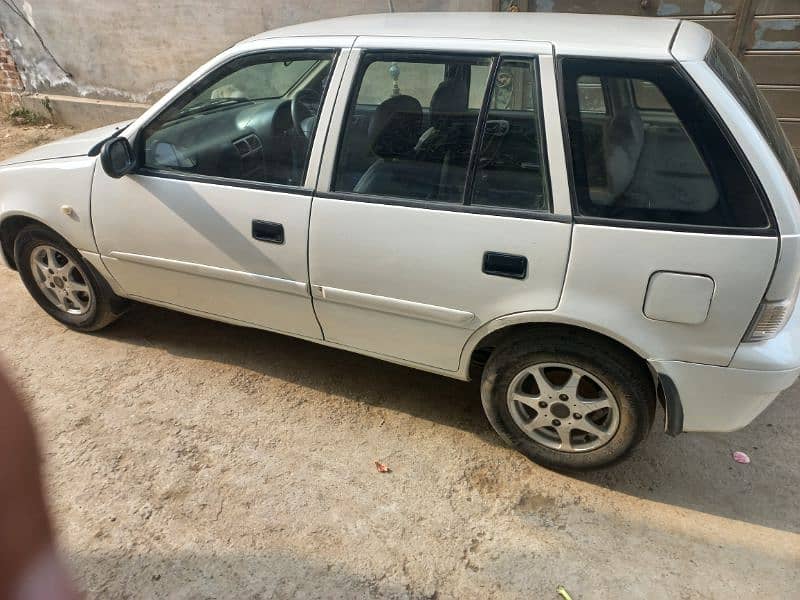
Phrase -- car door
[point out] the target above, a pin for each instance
(215, 218)
(455, 216)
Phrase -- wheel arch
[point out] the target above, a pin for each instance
(11, 225)
(481, 344)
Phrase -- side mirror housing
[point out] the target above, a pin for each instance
(117, 157)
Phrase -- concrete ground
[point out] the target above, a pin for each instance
(191, 459)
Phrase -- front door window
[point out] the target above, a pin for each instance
(252, 119)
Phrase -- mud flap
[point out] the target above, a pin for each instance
(673, 422)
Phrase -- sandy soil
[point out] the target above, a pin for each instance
(18, 138)
(191, 459)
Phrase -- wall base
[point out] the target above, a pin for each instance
(75, 112)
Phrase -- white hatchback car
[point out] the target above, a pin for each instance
(588, 213)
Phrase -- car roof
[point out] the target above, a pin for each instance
(574, 34)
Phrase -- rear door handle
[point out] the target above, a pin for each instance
(505, 265)
(267, 231)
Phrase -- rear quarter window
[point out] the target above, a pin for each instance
(658, 154)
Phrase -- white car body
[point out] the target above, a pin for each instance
(402, 282)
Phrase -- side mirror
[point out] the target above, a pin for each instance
(117, 157)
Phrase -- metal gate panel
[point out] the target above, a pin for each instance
(764, 34)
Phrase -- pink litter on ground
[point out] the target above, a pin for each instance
(741, 458)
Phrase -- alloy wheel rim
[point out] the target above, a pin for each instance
(563, 407)
(62, 282)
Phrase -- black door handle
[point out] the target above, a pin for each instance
(267, 231)
(505, 265)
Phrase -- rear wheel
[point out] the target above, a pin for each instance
(62, 283)
(568, 401)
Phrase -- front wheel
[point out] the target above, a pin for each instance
(62, 283)
(568, 401)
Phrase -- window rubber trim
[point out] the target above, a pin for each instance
(770, 231)
(480, 133)
(223, 181)
(458, 207)
(677, 227)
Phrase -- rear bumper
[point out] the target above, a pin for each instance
(723, 398)
(714, 398)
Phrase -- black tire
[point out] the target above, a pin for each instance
(627, 379)
(104, 306)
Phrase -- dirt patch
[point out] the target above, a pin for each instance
(15, 138)
(191, 459)
(535, 502)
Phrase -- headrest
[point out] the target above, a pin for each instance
(622, 142)
(450, 99)
(395, 127)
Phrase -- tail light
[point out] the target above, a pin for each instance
(769, 320)
(779, 302)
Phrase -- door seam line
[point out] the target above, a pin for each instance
(316, 187)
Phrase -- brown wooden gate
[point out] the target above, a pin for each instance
(764, 34)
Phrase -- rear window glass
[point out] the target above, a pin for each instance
(741, 85)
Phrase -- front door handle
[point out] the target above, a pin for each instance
(267, 231)
(505, 265)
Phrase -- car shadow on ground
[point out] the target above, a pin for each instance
(693, 471)
(262, 574)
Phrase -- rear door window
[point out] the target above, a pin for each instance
(416, 79)
(658, 154)
(410, 131)
(511, 164)
(451, 129)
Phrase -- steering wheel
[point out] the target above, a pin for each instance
(305, 106)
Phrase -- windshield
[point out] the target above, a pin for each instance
(256, 82)
(741, 85)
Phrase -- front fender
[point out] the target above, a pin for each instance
(43, 190)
